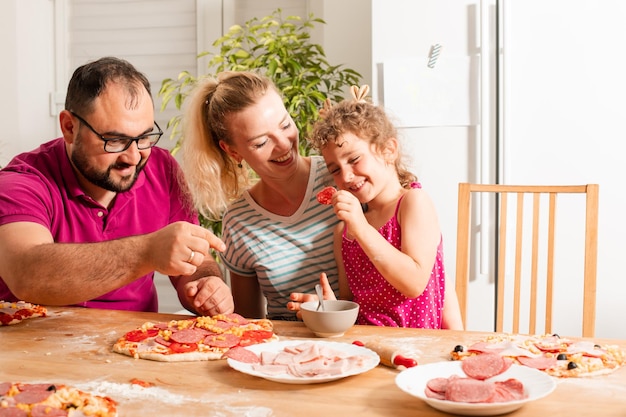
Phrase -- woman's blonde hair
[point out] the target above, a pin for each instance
(214, 178)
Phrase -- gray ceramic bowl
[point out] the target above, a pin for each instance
(339, 316)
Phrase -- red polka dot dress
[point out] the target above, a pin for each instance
(379, 302)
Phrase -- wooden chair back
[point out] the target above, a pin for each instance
(502, 225)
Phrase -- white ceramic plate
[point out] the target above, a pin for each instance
(348, 348)
(413, 381)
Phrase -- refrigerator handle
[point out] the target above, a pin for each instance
(486, 38)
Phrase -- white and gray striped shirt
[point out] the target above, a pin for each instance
(286, 254)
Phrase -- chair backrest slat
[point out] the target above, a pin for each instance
(501, 261)
(539, 219)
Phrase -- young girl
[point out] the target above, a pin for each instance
(388, 244)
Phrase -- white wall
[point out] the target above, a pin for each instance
(26, 47)
(350, 44)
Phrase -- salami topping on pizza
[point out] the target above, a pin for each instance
(194, 339)
(16, 312)
(556, 356)
(38, 400)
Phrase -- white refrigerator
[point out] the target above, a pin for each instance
(520, 92)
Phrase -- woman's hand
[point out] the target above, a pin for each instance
(298, 298)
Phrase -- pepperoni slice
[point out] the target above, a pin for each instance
(242, 354)
(483, 366)
(514, 386)
(438, 385)
(501, 395)
(225, 325)
(432, 394)
(469, 390)
(5, 387)
(32, 397)
(162, 341)
(507, 364)
(540, 362)
(226, 340)
(12, 412)
(326, 195)
(188, 335)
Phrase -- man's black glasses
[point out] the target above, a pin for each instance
(121, 143)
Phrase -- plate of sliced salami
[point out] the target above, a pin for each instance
(302, 361)
(473, 391)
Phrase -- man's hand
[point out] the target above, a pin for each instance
(209, 296)
(179, 248)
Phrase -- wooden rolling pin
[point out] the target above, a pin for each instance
(389, 355)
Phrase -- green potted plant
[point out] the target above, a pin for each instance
(280, 48)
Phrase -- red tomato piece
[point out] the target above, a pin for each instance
(139, 335)
(252, 337)
(326, 195)
(183, 347)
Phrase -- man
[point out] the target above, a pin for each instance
(86, 219)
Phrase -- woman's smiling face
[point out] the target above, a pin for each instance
(264, 135)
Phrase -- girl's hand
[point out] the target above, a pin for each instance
(349, 210)
(299, 298)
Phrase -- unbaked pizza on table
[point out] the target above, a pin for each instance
(554, 355)
(194, 339)
(18, 311)
(39, 400)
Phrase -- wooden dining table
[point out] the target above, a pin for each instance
(73, 346)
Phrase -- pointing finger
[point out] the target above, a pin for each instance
(214, 241)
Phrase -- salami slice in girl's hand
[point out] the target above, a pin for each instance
(326, 195)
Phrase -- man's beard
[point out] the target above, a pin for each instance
(103, 179)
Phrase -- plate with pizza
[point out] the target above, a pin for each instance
(551, 354)
(200, 338)
(43, 399)
(18, 311)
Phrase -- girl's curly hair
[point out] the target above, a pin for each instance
(364, 120)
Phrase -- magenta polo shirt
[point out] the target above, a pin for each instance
(41, 187)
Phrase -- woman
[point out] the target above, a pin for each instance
(278, 237)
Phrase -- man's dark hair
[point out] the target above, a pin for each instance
(89, 80)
